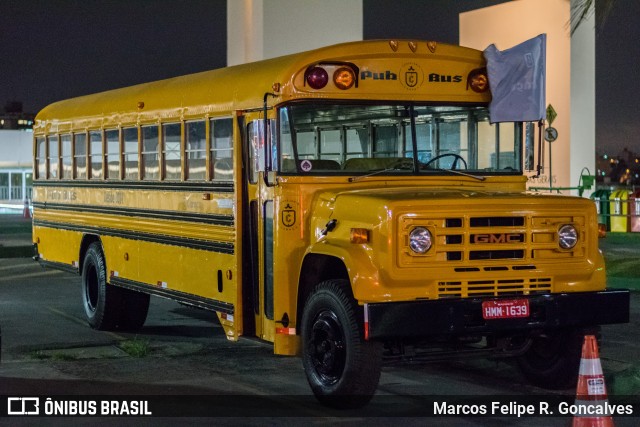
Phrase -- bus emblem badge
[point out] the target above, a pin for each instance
(411, 77)
(288, 216)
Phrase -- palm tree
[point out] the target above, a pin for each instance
(584, 9)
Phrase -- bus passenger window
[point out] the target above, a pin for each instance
(150, 164)
(196, 150)
(53, 157)
(130, 136)
(80, 155)
(95, 143)
(41, 158)
(66, 156)
(171, 150)
(222, 150)
(113, 154)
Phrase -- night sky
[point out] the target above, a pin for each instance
(58, 49)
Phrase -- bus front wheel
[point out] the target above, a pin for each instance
(553, 360)
(342, 368)
(101, 302)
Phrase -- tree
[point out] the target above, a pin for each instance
(584, 9)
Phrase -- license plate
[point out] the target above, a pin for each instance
(505, 309)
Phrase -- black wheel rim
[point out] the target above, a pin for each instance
(91, 288)
(545, 350)
(327, 348)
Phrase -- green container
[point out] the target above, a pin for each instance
(587, 181)
(601, 199)
(619, 211)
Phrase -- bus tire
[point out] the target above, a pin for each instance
(134, 310)
(553, 360)
(101, 302)
(342, 368)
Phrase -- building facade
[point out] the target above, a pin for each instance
(16, 165)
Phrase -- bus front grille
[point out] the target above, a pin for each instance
(494, 287)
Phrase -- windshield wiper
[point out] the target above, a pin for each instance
(400, 165)
(479, 178)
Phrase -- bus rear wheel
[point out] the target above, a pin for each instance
(342, 368)
(108, 307)
(101, 302)
(134, 309)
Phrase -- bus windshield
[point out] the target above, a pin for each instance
(352, 139)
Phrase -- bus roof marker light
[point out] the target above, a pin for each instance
(394, 45)
(344, 78)
(317, 77)
(413, 46)
(477, 80)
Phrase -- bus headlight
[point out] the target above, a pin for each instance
(567, 236)
(420, 240)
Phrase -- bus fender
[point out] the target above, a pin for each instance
(361, 270)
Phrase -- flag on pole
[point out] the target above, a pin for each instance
(517, 81)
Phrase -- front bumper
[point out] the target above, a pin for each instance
(422, 319)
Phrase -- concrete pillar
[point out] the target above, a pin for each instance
(570, 75)
(583, 101)
(262, 29)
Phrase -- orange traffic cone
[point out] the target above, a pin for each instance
(591, 391)
(26, 213)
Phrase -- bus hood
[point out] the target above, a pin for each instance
(472, 230)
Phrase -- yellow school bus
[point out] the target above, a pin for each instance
(350, 204)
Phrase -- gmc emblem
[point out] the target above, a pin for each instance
(497, 238)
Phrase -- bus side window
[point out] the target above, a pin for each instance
(171, 139)
(150, 154)
(196, 150)
(66, 156)
(95, 154)
(222, 149)
(53, 157)
(80, 155)
(113, 154)
(41, 158)
(130, 136)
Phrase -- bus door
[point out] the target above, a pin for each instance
(258, 230)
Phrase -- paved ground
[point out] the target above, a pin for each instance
(15, 236)
(47, 349)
